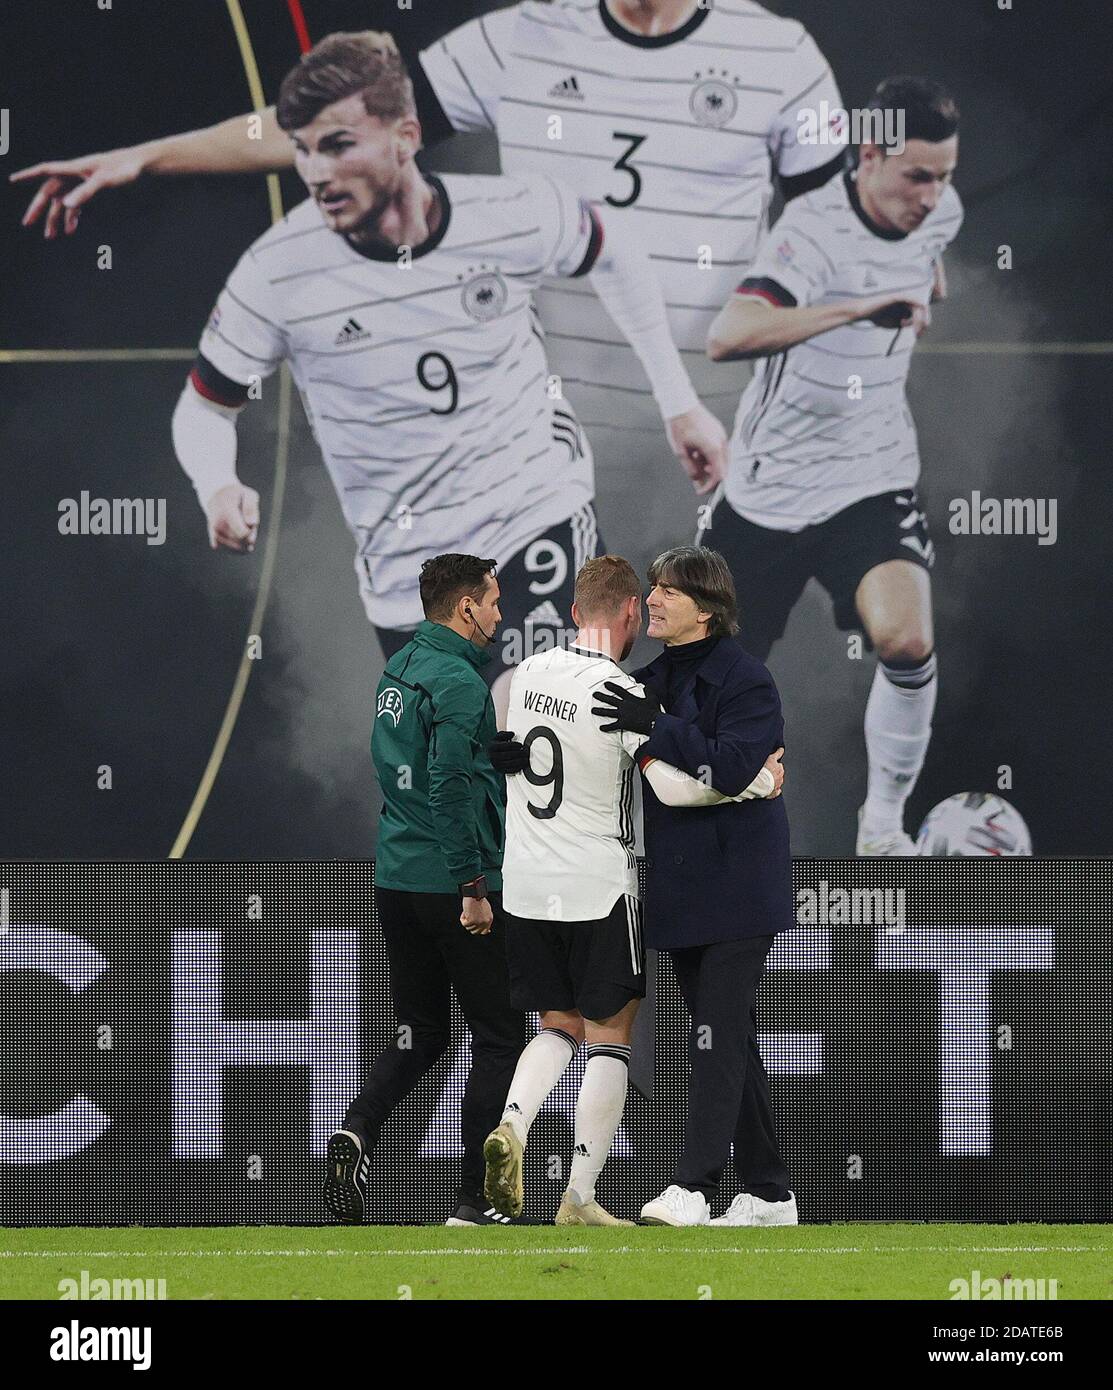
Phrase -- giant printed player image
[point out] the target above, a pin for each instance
(402, 303)
(570, 883)
(824, 456)
(678, 112)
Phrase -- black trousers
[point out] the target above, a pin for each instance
(728, 1095)
(430, 955)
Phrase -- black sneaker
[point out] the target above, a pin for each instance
(347, 1165)
(476, 1214)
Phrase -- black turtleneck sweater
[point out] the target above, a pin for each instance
(682, 663)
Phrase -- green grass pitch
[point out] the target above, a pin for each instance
(542, 1262)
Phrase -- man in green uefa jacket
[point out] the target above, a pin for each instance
(438, 881)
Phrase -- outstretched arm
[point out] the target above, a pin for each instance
(245, 144)
(749, 325)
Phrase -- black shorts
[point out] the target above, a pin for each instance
(593, 967)
(771, 568)
(536, 587)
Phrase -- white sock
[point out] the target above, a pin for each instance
(898, 731)
(598, 1112)
(543, 1062)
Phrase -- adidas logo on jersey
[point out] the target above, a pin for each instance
(352, 332)
(569, 89)
(544, 615)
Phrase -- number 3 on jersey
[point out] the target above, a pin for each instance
(554, 777)
(623, 163)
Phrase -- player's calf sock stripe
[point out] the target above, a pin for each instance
(568, 1038)
(897, 729)
(598, 1114)
(909, 675)
(544, 1060)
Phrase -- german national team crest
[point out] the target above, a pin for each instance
(389, 702)
(485, 296)
(713, 102)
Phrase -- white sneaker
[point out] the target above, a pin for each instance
(887, 844)
(748, 1210)
(676, 1206)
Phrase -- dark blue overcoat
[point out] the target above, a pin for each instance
(716, 873)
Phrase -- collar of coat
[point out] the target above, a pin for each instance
(714, 668)
(443, 639)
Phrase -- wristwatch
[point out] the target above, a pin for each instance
(477, 888)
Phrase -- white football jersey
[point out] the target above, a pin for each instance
(426, 384)
(681, 132)
(826, 423)
(571, 818)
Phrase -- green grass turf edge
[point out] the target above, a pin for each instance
(860, 1261)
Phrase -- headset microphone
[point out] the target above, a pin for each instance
(490, 636)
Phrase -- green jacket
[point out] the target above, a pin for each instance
(444, 804)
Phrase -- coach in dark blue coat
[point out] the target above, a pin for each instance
(719, 880)
(715, 873)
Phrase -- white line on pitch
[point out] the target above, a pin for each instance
(571, 1250)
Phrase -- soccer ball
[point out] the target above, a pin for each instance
(973, 823)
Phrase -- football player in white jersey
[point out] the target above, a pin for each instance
(570, 884)
(403, 305)
(677, 111)
(824, 458)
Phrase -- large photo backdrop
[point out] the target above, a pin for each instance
(162, 697)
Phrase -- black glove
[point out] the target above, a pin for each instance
(633, 713)
(507, 755)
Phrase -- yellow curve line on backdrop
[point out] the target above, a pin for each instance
(17, 355)
(281, 454)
